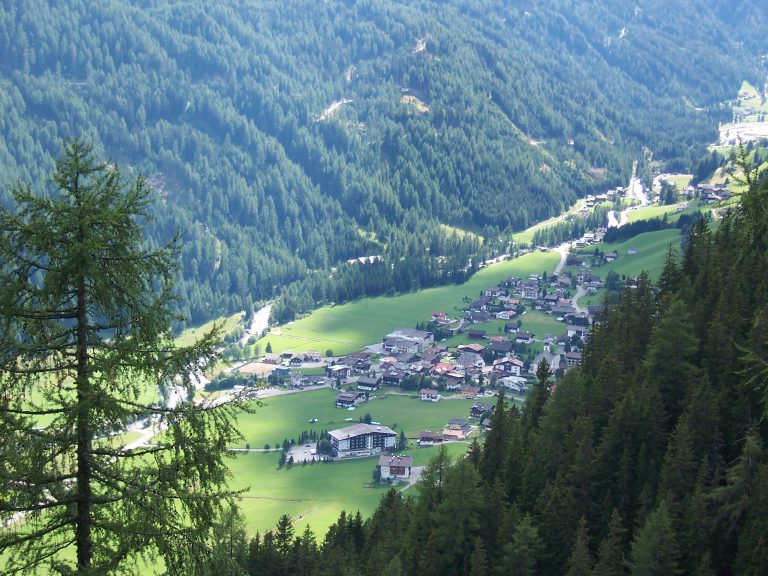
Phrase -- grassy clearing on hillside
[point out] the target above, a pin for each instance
(651, 248)
(349, 327)
(658, 212)
(680, 181)
(227, 324)
(312, 494)
(460, 232)
(526, 236)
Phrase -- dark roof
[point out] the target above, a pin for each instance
(392, 460)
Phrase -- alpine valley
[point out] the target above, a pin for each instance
(288, 138)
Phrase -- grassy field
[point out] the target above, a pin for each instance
(658, 212)
(526, 236)
(227, 324)
(312, 494)
(352, 326)
(316, 493)
(651, 248)
(681, 180)
(286, 416)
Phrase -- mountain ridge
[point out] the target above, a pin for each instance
(220, 105)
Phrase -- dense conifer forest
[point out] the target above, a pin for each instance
(287, 138)
(648, 459)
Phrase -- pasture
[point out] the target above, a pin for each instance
(315, 494)
(651, 249)
(349, 327)
(286, 416)
(311, 494)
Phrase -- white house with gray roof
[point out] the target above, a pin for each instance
(408, 340)
(362, 440)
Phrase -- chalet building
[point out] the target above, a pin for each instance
(337, 371)
(272, 359)
(580, 331)
(454, 380)
(469, 392)
(395, 467)
(432, 355)
(429, 395)
(456, 429)
(509, 365)
(357, 363)
(368, 384)
(572, 359)
(361, 440)
(478, 316)
(515, 384)
(529, 291)
(312, 356)
(470, 360)
(428, 438)
(501, 348)
(408, 340)
(393, 377)
(295, 361)
(523, 337)
(479, 409)
(474, 347)
(350, 399)
(440, 318)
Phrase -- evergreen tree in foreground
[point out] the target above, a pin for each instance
(84, 344)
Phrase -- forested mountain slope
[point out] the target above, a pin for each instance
(650, 458)
(286, 137)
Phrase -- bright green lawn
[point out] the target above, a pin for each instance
(286, 416)
(349, 327)
(541, 323)
(313, 494)
(651, 250)
(658, 212)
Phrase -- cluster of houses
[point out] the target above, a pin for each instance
(490, 360)
(709, 193)
(290, 359)
(361, 440)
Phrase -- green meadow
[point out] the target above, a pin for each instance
(655, 211)
(349, 327)
(286, 416)
(526, 236)
(311, 494)
(315, 494)
(651, 249)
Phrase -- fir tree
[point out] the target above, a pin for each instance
(86, 317)
(580, 562)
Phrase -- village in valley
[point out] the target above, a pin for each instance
(493, 341)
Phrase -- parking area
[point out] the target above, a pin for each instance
(305, 452)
